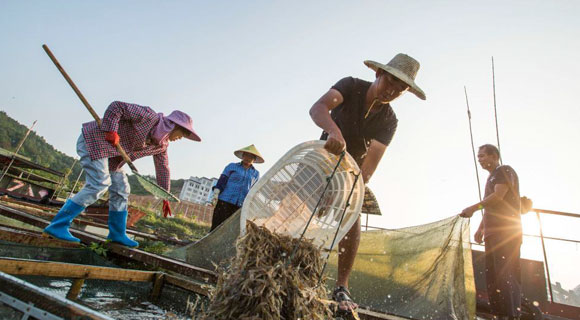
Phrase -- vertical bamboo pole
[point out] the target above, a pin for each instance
(61, 183)
(495, 110)
(75, 185)
(545, 258)
(75, 289)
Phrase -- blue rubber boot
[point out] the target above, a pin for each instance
(118, 228)
(59, 226)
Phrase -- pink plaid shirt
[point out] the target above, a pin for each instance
(133, 124)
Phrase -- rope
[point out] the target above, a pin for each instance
(356, 176)
(328, 180)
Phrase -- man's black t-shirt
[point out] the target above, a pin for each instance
(504, 217)
(349, 116)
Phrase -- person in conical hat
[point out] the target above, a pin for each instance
(356, 116)
(234, 184)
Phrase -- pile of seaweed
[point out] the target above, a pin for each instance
(264, 282)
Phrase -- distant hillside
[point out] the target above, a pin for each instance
(43, 153)
(35, 147)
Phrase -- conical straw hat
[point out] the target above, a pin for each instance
(250, 149)
(404, 68)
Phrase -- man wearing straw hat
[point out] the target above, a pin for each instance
(234, 184)
(356, 116)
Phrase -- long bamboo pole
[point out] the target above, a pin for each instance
(495, 110)
(545, 258)
(472, 144)
(62, 181)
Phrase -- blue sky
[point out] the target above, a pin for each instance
(248, 72)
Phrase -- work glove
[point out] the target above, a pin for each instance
(112, 137)
(216, 194)
(166, 209)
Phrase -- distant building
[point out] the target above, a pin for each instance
(198, 190)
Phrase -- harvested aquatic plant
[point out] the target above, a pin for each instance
(264, 282)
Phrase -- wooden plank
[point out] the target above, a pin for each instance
(28, 204)
(47, 212)
(34, 239)
(365, 314)
(70, 270)
(188, 285)
(565, 311)
(166, 263)
(147, 258)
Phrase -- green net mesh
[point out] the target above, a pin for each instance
(421, 272)
(214, 248)
(155, 189)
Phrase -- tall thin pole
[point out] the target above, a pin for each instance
(356, 176)
(545, 258)
(61, 183)
(472, 145)
(367, 223)
(495, 109)
(17, 149)
(75, 185)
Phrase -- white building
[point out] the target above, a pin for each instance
(198, 190)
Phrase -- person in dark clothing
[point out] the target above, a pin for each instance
(234, 184)
(356, 116)
(501, 230)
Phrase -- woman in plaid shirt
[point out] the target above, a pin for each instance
(141, 132)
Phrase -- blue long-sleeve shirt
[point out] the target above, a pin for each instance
(235, 183)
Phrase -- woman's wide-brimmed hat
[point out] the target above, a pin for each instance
(404, 68)
(184, 120)
(252, 150)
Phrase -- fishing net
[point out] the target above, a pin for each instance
(421, 272)
(154, 188)
(216, 247)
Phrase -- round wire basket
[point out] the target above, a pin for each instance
(285, 198)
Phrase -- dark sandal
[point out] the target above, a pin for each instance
(341, 294)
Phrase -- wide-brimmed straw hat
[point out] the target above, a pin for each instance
(252, 150)
(404, 68)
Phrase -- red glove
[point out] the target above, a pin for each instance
(166, 209)
(112, 137)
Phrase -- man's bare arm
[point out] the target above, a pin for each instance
(321, 117)
(499, 191)
(371, 161)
